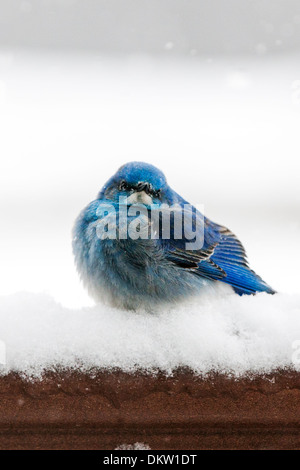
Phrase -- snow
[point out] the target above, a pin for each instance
(225, 333)
(135, 446)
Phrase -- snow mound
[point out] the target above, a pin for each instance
(135, 446)
(225, 333)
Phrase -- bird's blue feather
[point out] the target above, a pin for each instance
(227, 261)
(133, 273)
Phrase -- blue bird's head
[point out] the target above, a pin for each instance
(139, 182)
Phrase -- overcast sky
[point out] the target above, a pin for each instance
(174, 27)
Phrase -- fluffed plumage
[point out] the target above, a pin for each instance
(144, 272)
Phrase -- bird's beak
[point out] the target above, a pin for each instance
(139, 197)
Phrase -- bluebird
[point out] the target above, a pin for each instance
(131, 272)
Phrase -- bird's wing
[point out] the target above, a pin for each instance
(199, 261)
(222, 257)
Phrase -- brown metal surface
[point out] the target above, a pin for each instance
(77, 411)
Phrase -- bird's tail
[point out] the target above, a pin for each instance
(244, 280)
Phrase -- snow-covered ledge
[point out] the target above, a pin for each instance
(216, 373)
(117, 409)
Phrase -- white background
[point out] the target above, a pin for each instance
(222, 125)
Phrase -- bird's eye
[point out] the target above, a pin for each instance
(157, 193)
(123, 186)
